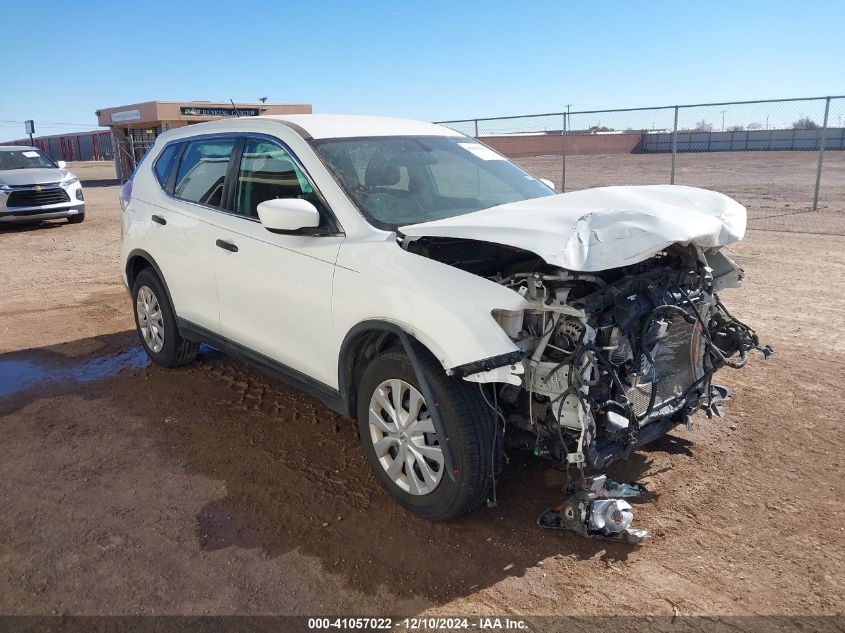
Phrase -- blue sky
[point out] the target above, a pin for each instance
(429, 60)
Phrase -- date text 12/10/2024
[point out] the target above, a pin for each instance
(417, 623)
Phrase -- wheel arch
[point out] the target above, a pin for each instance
(139, 260)
(361, 339)
(364, 342)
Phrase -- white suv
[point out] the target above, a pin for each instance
(416, 280)
(34, 188)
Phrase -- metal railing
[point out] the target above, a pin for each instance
(778, 157)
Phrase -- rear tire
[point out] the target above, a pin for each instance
(467, 419)
(156, 323)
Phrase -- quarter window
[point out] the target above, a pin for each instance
(164, 163)
(268, 172)
(202, 172)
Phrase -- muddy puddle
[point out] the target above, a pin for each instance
(19, 374)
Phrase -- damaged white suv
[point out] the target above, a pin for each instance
(414, 279)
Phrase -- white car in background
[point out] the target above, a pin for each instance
(416, 280)
(34, 188)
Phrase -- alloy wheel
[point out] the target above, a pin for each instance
(404, 438)
(150, 319)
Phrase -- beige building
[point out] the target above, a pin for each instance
(134, 128)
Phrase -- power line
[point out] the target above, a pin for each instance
(53, 123)
(51, 128)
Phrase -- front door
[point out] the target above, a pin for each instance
(275, 290)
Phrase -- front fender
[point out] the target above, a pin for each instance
(446, 309)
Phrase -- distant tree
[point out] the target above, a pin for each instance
(735, 128)
(597, 128)
(703, 126)
(805, 123)
(754, 126)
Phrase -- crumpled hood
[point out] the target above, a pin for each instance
(601, 228)
(39, 176)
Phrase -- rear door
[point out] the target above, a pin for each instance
(195, 192)
(275, 290)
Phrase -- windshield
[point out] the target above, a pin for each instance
(24, 159)
(399, 180)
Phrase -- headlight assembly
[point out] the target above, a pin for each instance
(510, 321)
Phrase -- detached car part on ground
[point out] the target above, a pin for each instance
(415, 279)
(34, 188)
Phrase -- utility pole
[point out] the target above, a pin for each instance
(723, 119)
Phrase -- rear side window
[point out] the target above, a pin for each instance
(164, 163)
(202, 171)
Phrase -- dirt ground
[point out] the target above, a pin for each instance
(212, 489)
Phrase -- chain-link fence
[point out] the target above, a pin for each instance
(782, 159)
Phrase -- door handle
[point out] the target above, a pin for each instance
(158, 219)
(227, 246)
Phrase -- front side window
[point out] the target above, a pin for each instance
(398, 180)
(202, 171)
(25, 159)
(268, 172)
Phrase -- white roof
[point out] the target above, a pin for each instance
(348, 125)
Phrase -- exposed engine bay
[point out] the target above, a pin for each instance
(609, 360)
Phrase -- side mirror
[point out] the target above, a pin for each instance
(61, 164)
(284, 215)
(548, 183)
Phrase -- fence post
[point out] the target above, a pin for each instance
(563, 156)
(115, 154)
(822, 142)
(674, 146)
(476, 128)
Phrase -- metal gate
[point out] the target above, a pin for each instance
(132, 146)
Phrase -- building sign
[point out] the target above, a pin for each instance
(29, 126)
(125, 115)
(201, 111)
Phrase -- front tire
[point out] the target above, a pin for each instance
(79, 218)
(156, 323)
(402, 447)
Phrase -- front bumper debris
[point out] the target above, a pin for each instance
(596, 510)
